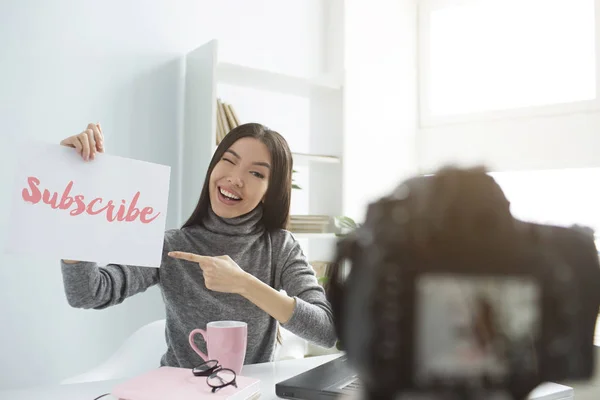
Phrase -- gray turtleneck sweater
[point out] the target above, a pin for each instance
(273, 257)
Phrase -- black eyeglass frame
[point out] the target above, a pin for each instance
(215, 374)
(210, 370)
(207, 371)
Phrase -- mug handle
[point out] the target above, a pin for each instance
(193, 345)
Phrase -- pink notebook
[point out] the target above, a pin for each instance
(168, 383)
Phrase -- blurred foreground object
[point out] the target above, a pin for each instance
(442, 294)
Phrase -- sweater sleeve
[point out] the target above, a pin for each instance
(312, 318)
(88, 285)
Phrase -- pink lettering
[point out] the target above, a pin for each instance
(35, 195)
(145, 212)
(125, 212)
(133, 211)
(66, 200)
(121, 212)
(89, 209)
(80, 205)
(109, 213)
(50, 201)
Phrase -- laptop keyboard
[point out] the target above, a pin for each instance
(353, 386)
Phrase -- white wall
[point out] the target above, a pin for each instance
(549, 137)
(528, 141)
(531, 64)
(557, 141)
(380, 102)
(65, 63)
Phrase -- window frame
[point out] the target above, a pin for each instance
(427, 119)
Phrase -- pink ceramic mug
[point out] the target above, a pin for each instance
(225, 342)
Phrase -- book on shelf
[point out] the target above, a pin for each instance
(234, 114)
(223, 118)
(321, 268)
(220, 124)
(309, 223)
(179, 383)
(322, 271)
(227, 119)
(308, 217)
(229, 115)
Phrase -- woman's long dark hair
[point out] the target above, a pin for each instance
(276, 207)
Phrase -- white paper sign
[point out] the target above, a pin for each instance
(109, 209)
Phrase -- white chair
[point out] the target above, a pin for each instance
(141, 352)
(292, 347)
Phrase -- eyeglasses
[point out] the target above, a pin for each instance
(217, 377)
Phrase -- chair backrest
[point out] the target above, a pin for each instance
(141, 352)
(292, 347)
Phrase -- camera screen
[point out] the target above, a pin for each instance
(471, 327)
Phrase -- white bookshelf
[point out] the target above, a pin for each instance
(241, 75)
(301, 235)
(307, 111)
(304, 158)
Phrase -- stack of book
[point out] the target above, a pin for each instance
(227, 119)
(309, 223)
(321, 268)
(181, 384)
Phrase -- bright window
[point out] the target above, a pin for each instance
(560, 197)
(487, 55)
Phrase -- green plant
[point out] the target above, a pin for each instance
(294, 185)
(345, 225)
(323, 280)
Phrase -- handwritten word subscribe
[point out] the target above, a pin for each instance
(94, 207)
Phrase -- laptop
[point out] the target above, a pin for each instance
(327, 381)
(336, 378)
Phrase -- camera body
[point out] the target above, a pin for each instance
(448, 296)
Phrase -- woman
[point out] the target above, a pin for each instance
(228, 261)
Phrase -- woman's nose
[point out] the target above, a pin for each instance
(235, 180)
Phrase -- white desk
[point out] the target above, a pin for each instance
(268, 373)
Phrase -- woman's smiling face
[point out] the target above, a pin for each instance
(240, 180)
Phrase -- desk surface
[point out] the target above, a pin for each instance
(268, 373)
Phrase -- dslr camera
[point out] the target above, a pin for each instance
(443, 294)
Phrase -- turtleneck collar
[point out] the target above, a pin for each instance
(247, 224)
